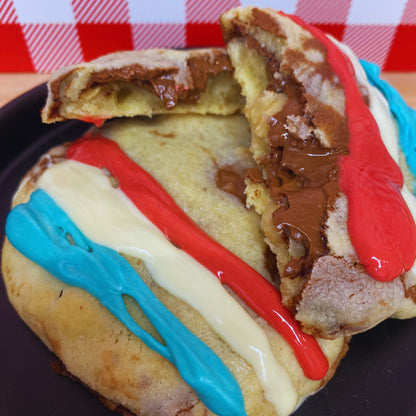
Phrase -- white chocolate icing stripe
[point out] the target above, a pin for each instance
(109, 218)
(65, 252)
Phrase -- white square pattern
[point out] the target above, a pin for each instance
(44, 11)
(376, 12)
(157, 11)
(286, 6)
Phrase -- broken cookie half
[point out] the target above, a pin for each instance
(318, 183)
(147, 82)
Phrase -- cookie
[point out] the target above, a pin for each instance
(150, 278)
(186, 154)
(131, 83)
(326, 201)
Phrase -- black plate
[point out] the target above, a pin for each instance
(376, 378)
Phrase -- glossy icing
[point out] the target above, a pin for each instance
(404, 115)
(393, 134)
(157, 205)
(377, 104)
(380, 224)
(107, 275)
(406, 120)
(97, 121)
(106, 216)
(390, 131)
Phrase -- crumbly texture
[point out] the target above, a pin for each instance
(183, 153)
(333, 296)
(327, 289)
(147, 82)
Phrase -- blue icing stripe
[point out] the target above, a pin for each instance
(44, 233)
(404, 115)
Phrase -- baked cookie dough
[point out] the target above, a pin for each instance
(131, 83)
(196, 145)
(184, 153)
(296, 106)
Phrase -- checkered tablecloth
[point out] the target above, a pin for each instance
(42, 35)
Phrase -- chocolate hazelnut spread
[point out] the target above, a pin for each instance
(300, 173)
(173, 76)
(161, 80)
(230, 179)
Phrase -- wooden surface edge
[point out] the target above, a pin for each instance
(14, 84)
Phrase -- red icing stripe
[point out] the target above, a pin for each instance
(380, 224)
(93, 120)
(159, 207)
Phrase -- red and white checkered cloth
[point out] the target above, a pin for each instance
(42, 35)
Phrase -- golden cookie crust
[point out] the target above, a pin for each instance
(96, 347)
(147, 82)
(333, 296)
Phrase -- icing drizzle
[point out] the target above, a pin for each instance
(97, 121)
(404, 115)
(42, 220)
(108, 217)
(107, 275)
(380, 225)
(159, 207)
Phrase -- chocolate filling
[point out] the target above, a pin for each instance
(200, 69)
(161, 80)
(303, 179)
(230, 179)
(301, 174)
